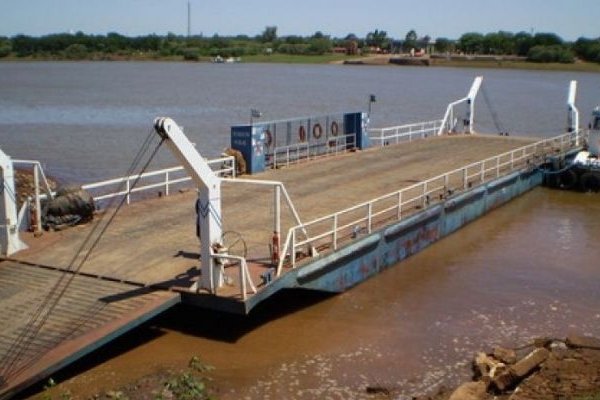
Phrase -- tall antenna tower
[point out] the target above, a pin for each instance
(189, 25)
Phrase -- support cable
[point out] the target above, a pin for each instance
(41, 315)
(493, 113)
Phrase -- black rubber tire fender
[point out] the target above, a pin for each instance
(567, 179)
(590, 182)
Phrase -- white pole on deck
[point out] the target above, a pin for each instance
(471, 101)
(573, 115)
(10, 242)
(448, 120)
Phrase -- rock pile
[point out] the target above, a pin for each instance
(548, 369)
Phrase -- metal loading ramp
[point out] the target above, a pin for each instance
(89, 313)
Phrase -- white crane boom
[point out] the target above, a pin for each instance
(209, 197)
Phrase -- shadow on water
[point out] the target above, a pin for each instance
(193, 321)
(229, 327)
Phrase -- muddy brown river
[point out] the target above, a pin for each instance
(527, 269)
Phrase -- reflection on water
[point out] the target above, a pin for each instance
(504, 279)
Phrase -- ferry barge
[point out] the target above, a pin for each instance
(330, 203)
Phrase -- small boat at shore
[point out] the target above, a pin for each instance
(228, 60)
(586, 164)
(583, 172)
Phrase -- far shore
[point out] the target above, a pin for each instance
(381, 60)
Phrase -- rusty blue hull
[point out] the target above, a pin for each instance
(369, 255)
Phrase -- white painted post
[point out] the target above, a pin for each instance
(127, 188)
(10, 242)
(471, 101)
(166, 183)
(399, 205)
(243, 278)
(277, 207)
(335, 235)
(38, 207)
(369, 217)
(482, 171)
(465, 179)
(497, 167)
(293, 255)
(277, 221)
(573, 116)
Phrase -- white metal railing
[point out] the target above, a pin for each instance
(33, 202)
(298, 152)
(340, 227)
(404, 133)
(164, 178)
(279, 190)
(245, 278)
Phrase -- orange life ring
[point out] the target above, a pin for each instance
(302, 133)
(268, 138)
(334, 128)
(317, 131)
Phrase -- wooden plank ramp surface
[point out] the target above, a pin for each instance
(151, 249)
(75, 315)
(154, 242)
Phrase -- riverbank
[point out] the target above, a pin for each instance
(466, 62)
(543, 369)
(371, 60)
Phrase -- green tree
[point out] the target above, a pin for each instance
(443, 45)
(498, 43)
(471, 43)
(410, 40)
(76, 51)
(546, 39)
(587, 49)
(522, 42)
(553, 53)
(269, 34)
(377, 39)
(23, 45)
(5, 47)
(319, 44)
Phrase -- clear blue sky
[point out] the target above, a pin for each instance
(570, 19)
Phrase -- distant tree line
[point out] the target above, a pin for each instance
(539, 47)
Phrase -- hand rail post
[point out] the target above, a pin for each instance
(166, 183)
(497, 167)
(446, 182)
(335, 233)
(369, 216)
(482, 171)
(243, 267)
(38, 207)
(293, 255)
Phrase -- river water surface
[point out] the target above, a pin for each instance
(529, 268)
